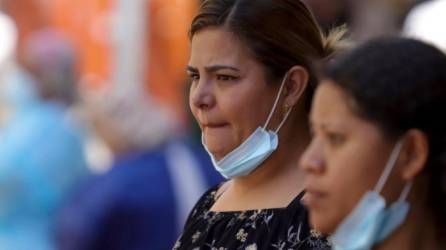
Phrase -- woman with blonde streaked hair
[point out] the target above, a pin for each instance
(251, 86)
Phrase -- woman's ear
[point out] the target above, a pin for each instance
(415, 153)
(295, 85)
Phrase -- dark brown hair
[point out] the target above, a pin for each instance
(279, 33)
(400, 84)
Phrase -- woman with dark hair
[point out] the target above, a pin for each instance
(376, 165)
(251, 78)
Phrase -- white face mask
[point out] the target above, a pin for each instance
(370, 222)
(253, 151)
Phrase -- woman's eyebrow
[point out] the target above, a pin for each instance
(214, 68)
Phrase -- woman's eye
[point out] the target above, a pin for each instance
(335, 139)
(194, 77)
(225, 78)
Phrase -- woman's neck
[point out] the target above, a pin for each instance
(276, 183)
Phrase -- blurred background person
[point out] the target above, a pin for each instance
(376, 164)
(41, 149)
(155, 178)
(135, 51)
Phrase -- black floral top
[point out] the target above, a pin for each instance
(278, 228)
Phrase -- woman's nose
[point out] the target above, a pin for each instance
(312, 160)
(202, 96)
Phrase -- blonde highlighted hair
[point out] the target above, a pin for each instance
(279, 33)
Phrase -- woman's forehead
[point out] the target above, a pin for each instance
(217, 47)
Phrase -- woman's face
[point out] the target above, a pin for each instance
(229, 95)
(344, 160)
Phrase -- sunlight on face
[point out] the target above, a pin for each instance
(229, 96)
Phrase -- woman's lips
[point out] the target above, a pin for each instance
(215, 131)
(214, 125)
(313, 198)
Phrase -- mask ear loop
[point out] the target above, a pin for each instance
(405, 192)
(283, 120)
(275, 106)
(388, 168)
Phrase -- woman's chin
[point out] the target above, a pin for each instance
(321, 225)
(217, 153)
(216, 147)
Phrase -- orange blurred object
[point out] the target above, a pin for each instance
(88, 23)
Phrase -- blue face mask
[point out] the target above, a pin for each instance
(253, 151)
(371, 222)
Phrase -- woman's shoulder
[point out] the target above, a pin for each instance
(265, 228)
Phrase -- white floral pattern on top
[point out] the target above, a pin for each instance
(262, 229)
